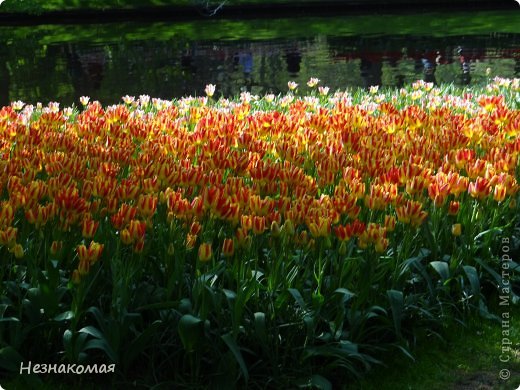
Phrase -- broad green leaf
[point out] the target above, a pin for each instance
(298, 298)
(261, 329)
(65, 316)
(320, 382)
(235, 350)
(102, 345)
(442, 269)
(10, 359)
(93, 331)
(191, 331)
(474, 281)
(397, 304)
(347, 294)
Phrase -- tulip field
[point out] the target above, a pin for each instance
(268, 241)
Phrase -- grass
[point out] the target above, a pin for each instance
(467, 358)
(428, 24)
(60, 5)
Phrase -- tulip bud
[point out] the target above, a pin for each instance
(248, 242)
(453, 208)
(84, 267)
(171, 249)
(499, 193)
(76, 277)
(258, 225)
(275, 229)
(390, 223)
(18, 251)
(190, 241)
(381, 245)
(126, 237)
(56, 246)
(327, 244)
(228, 247)
(139, 246)
(89, 228)
(205, 252)
(456, 229)
(342, 248)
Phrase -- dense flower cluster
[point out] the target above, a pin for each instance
(321, 167)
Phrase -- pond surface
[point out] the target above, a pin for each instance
(172, 59)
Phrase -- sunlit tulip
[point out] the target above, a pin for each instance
(499, 193)
(313, 81)
(323, 90)
(210, 90)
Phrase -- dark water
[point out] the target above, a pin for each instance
(106, 62)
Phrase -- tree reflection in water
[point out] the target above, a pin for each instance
(177, 67)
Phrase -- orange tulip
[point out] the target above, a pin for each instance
(205, 252)
(8, 236)
(139, 245)
(89, 228)
(56, 247)
(258, 225)
(479, 189)
(137, 229)
(126, 237)
(390, 223)
(228, 247)
(499, 194)
(453, 208)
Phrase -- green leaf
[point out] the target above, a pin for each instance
(298, 298)
(397, 304)
(491, 271)
(405, 352)
(474, 281)
(233, 347)
(67, 342)
(9, 319)
(102, 345)
(442, 269)
(191, 332)
(347, 294)
(65, 316)
(92, 331)
(140, 343)
(10, 359)
(159, 306)
(495, 230)
(261, 330)
(320, 382)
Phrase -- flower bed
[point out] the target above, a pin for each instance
(257, 240)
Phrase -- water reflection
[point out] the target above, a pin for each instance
(106, 71)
